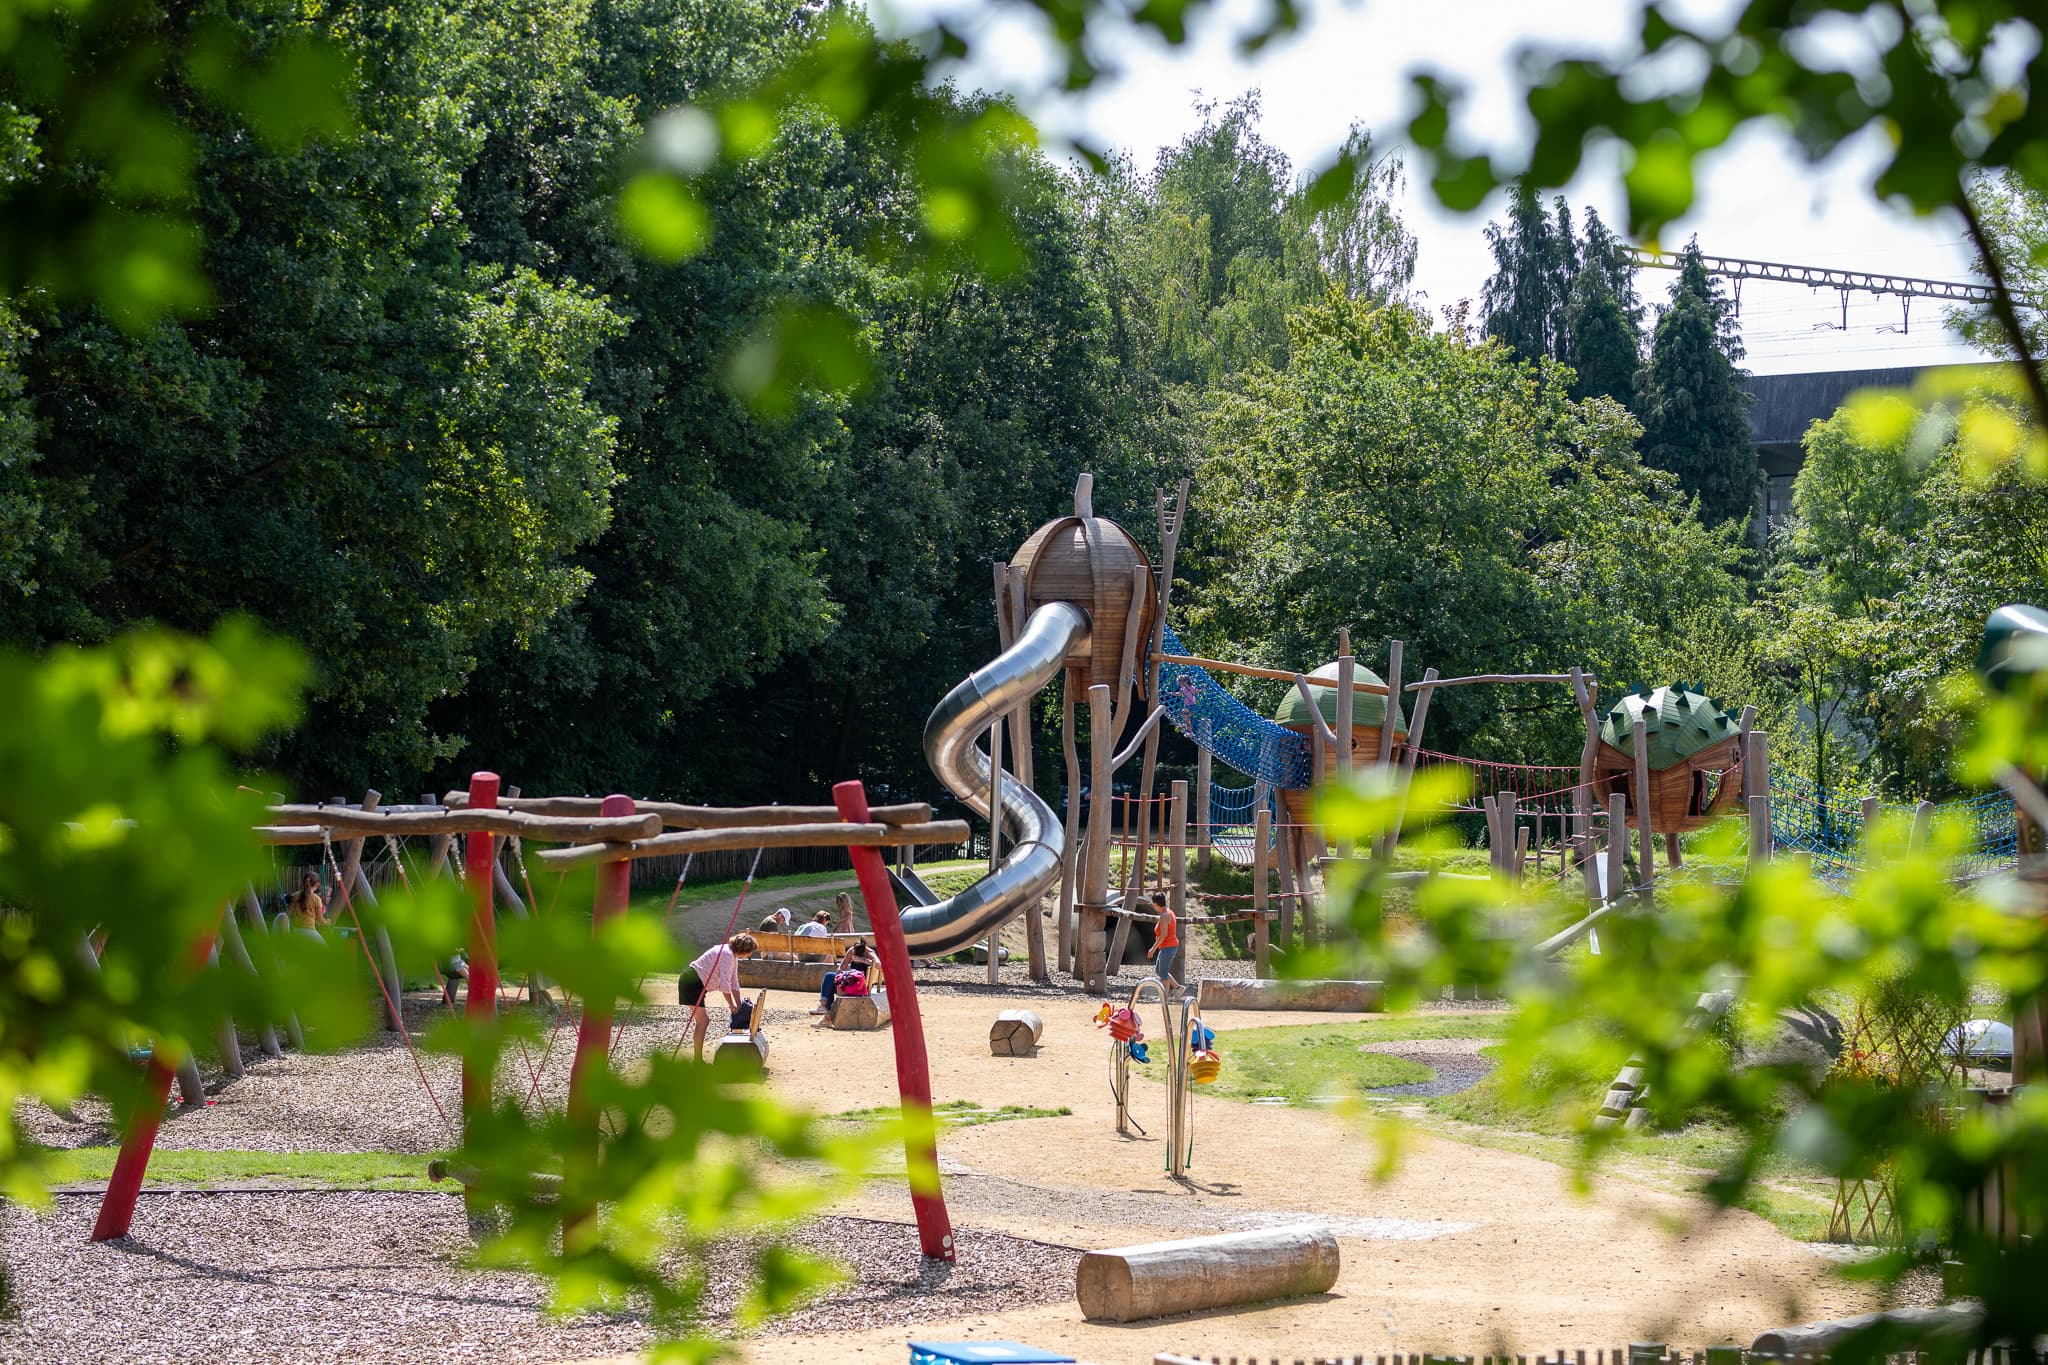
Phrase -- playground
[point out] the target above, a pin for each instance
(1105, 1179)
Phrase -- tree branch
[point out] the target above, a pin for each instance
(2001, 305)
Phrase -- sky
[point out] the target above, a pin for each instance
(1759, 199)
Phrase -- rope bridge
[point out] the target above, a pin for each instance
(1829, 829)
(1233, 812)
(1199, 708)
(1547, 788)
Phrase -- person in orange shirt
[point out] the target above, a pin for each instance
(1165, 939)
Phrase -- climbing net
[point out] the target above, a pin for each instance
(1829, 829)
(1233, 813)
(1200, 709)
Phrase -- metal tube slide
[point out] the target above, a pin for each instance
(1033, 831)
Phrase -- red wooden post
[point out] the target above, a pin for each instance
(913, 1069)
(593, 1036)
(117, 1205)
(479, 856)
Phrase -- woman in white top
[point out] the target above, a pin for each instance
(717, 968)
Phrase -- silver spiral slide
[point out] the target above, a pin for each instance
(1031, 830)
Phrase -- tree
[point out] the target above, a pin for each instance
(1856, 509)
(2012, 213)
(1694, 410)
(1603, 319)
(1403, 482)
(1360, 241)
(1535, 256)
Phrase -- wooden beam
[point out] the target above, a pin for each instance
(554, 828)
(1491, 678)
(1322, 727)
(1387, 724)
(771, 836)
(676, 816)
(1254, 671)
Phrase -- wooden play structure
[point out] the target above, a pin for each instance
(607, 835)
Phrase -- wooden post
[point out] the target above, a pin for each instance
(1923, 825)
(1347, 704)
(1070, 860)
(1091, 958)
(1584, 800)
(1169, 546)
(261, 927)
(1205, 834)
(1288, 885)
(1648, 865)
(1522, 846)
(1428, 690)
(1511, 845)
(906, 1027)
(238, 956)
(1393, 703)
(1178, 872)
(1759, 808)
(1262, 829)
(593, 1036)
(1748, 724)
(1869, 810)
(227, 1040)
(1756, 778)
(1617, 845)
(479, 856)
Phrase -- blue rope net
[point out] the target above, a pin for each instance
(1233, 812)
(1829, 829)
(1200, 709)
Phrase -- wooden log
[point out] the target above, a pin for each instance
(227, 1041)
(1494, 678)
(838, 835)
(191, 1088)
(1015, 1033)
(1415, 723)
(1262, 938)
(1155, 1279)
(1895, 1331)
(857, 1014)
(1342, 997)
(393, 994)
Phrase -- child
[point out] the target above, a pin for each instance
(307, 910)
(717, 968)
(857, 959)
(1165, 938)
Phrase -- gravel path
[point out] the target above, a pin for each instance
(1455, 1063)
(220, 1279)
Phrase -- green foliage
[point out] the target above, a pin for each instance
(1856, 507)
(1694, 410)
(2013, 215)
(1535, 257)
(119, 824)
(1409, 483)
(1604, 318)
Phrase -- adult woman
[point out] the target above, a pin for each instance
(856, 959)
(1165, 938)
(717, 968)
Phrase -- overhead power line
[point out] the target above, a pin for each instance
(1821, 277)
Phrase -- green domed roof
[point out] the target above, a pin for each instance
(1678, 723)
(1368, 709)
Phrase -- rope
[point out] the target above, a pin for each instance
(398, 1014)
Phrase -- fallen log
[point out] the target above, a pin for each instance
(1187, 1276)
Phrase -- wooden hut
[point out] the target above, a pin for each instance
(1695, 755)
(1368, 716)
(1089, 561)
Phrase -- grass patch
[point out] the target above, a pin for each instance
(1308, 1063)
(335, 1170)
(766, 889)
(957, 1113)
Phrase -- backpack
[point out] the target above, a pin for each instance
(851, 982)
(743, 1017)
